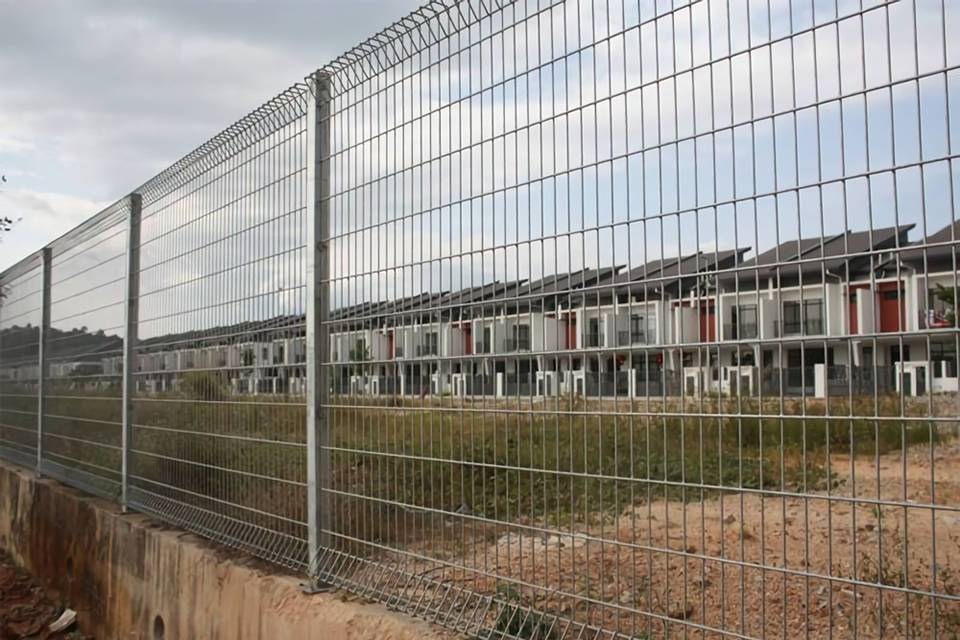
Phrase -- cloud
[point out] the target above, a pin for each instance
(41, 217)
(127, 88)
(98, 96)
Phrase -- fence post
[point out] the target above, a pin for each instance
(42, 352)
(130, 319)
(317, 342)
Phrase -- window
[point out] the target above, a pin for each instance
(359, 350)
(594, 336)
(806, 319)
(944, 352)
(638, 329)
(791, 318)
(484, 345)
(431, 344)
(521, 338)
(744, 322)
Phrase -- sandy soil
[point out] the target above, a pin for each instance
(745, 564)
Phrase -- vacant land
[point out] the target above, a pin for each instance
(751, 563)
(663, 526)
(659, 517)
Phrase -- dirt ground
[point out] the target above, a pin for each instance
(25, 611)
(743, 564)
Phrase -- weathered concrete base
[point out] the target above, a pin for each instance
(125, 573)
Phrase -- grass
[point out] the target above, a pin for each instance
(556, 463)
(557, 468)
(414, 472)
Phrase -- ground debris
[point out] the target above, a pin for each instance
(25, 610)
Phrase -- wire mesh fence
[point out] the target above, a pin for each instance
(547, 319)
(218, 418)
(22, 289)
(83, 346)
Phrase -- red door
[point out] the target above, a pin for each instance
(708, 322)
(468, 338)
(571, 332)
(852, 306)
(390, 345)
(891, 306)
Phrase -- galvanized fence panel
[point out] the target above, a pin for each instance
(546, 319)
(21, 288)
(627, 320)
(218, 418)
(81, 441)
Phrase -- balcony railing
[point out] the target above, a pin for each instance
(627, 338)
(593, 339)
(741, 331)
(810, 327)
(517, 344)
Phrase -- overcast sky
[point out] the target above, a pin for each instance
(96, 96)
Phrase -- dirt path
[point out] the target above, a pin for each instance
(25, 610)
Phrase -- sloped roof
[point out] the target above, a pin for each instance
(809, 257)
(942, 256)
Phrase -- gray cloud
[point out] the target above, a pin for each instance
(97, 96)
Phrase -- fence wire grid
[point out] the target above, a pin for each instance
(545, 319)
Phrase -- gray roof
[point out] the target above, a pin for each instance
(841, 254)
(668, 274)
(941, 257)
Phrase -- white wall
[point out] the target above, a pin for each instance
(769, 316)
(687, 322)
(833, 309)
(451, 341)
(866, 311)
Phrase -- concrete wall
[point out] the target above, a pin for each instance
(119, 572)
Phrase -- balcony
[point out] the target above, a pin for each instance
(741, 331)
(937, 319)
(627, 338)
(593, 340)
(517, 344)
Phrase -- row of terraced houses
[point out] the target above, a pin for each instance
(708, 322)
(859, 312)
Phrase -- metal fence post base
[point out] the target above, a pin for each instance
(314, 586)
